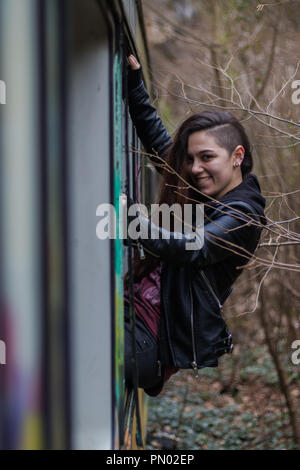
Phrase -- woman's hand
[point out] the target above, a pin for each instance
(134, 72)
(134, 64)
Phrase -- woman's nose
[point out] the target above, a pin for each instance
(197, 168)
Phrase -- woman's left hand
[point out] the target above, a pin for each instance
(134, 64)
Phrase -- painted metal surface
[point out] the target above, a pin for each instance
(90, 263)
(118, 249)
(59, 318)
(54, 255)
(21, 404)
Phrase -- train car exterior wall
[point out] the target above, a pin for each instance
(63, 129)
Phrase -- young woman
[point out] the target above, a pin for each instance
(179, 293)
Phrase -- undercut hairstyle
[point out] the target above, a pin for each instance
(223, 126)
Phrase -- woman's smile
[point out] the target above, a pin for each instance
(202, 179)
(209, 166)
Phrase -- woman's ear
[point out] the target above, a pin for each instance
(238, 155)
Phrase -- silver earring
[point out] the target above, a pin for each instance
(236, 164)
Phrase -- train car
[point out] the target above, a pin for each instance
(67, 146)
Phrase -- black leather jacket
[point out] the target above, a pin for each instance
(195, 284)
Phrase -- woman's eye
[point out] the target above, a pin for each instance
(204, 157)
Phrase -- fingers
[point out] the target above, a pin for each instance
(134, 64)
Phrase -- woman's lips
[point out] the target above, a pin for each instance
(202, 179)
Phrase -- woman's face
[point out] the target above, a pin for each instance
(210, 168)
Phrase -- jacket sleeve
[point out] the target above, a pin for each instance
(148, 124)
(233, 232)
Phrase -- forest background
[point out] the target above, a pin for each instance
(241, 56)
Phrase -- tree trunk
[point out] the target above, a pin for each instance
(281, 372)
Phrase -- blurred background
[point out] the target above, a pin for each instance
(241, 56)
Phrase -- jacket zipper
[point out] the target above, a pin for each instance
(207, 282)
(194, 362)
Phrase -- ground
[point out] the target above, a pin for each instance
(194, 414)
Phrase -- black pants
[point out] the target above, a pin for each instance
(146, 354)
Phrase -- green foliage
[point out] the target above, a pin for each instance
(196, 416)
